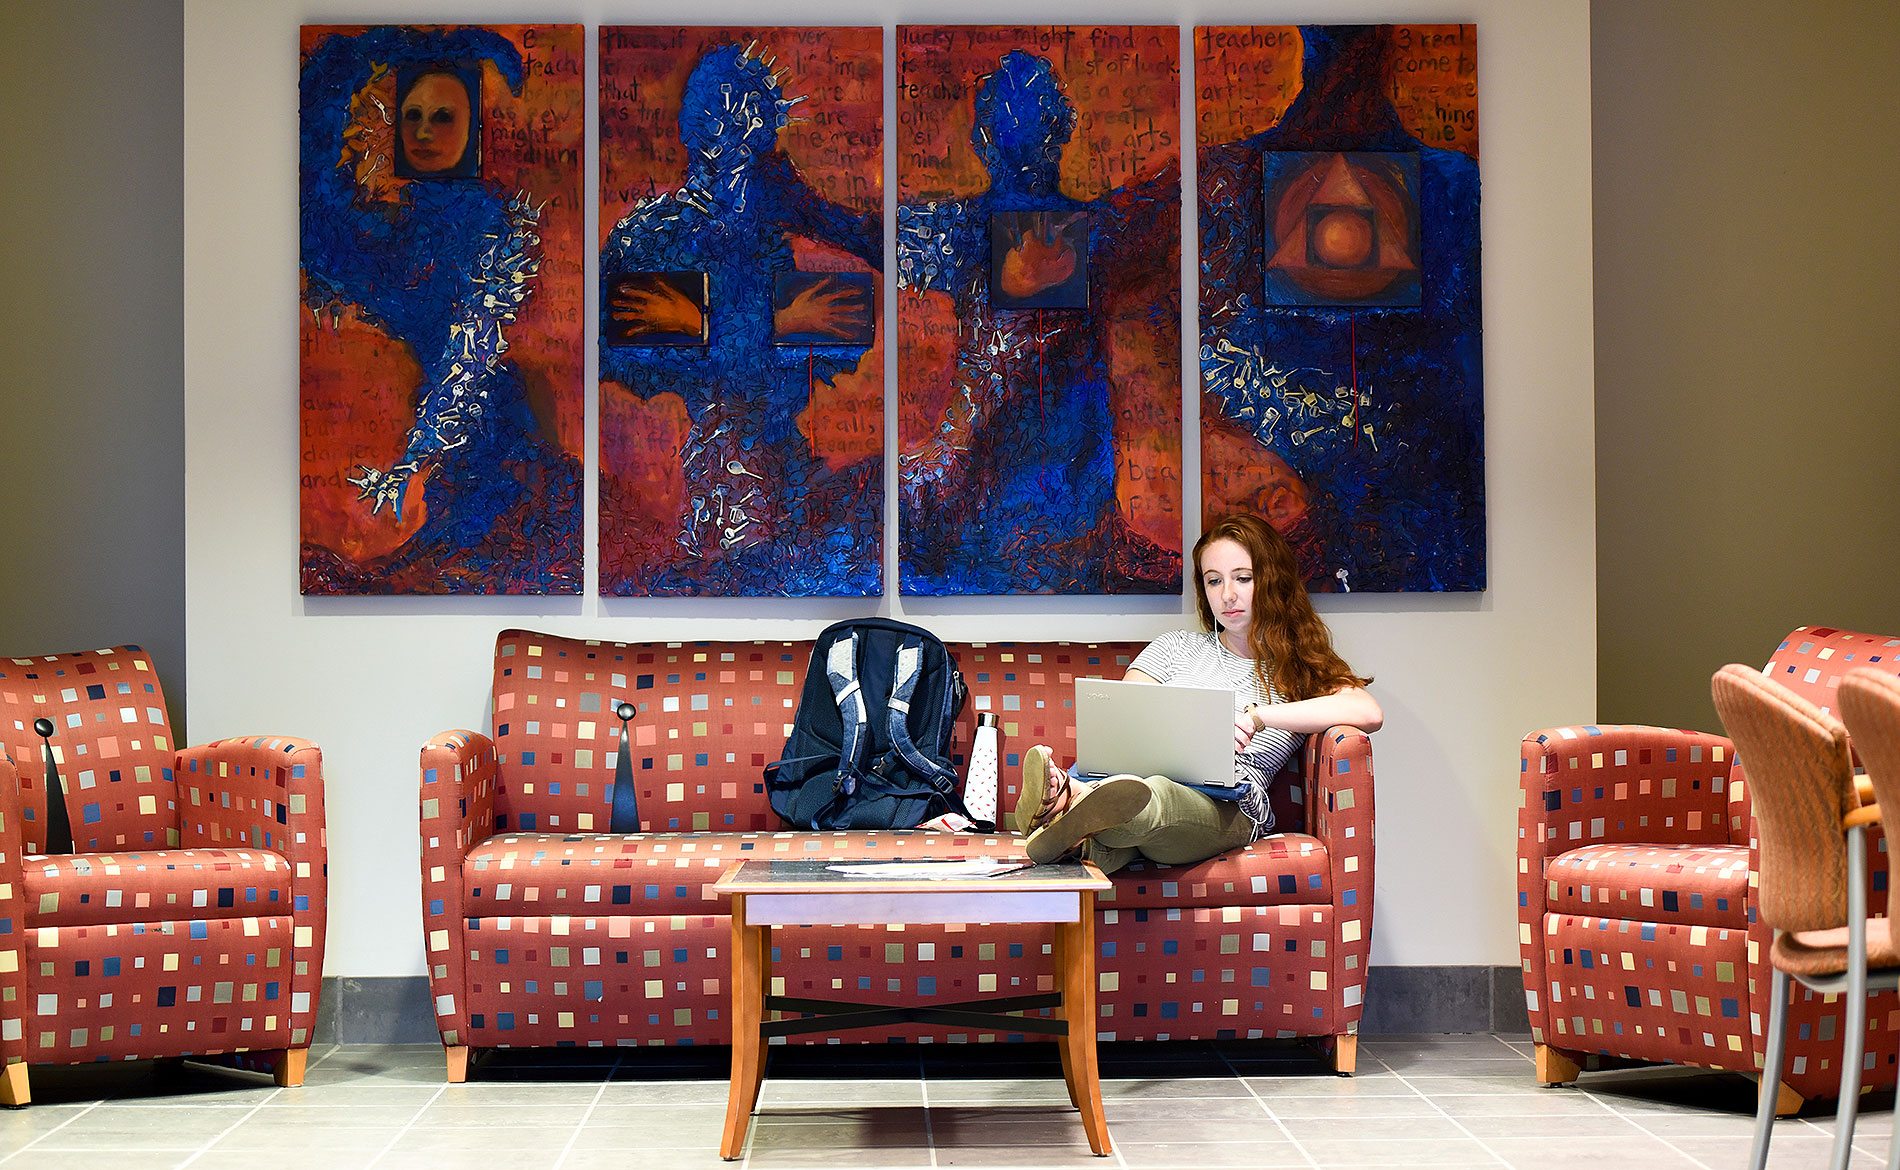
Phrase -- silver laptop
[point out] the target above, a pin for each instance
(1183, 733)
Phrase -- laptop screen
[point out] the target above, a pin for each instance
(1183, 733)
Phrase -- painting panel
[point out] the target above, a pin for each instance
(1039, 317)
(440, 342)
(742, 418)
(1341, 332)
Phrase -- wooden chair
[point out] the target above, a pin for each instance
(1870, 706)
(1813, 876)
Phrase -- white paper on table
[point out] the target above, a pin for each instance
(929, 870)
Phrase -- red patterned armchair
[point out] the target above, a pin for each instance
(1636, 889)
(188, 921)
(542, 929)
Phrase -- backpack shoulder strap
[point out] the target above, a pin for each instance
(909, 669)
(841, 669)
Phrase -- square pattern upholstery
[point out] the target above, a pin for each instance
(1638, 873)
(189, 920)
(543, 930)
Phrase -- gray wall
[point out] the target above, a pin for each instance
(1747, 226)
(92, 326)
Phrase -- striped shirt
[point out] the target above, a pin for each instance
(1192, 659)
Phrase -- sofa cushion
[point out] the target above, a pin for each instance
(542, 874)
(1286, 869)
(1689, 885)
(92, 889)
(1649, 990)
(224, 984)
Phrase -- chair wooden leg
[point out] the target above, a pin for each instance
(13, 1090)
(458, 1063)
(289, 1071)
(1555, 1067)
(1345, 1053)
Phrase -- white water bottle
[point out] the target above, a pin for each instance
(979, 785)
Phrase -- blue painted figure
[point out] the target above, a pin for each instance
(764, 515)
(442, 265)
(1378, 410)
(1014, 491)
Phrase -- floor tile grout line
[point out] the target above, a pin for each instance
(1429, 1100)
(930, 1131)
(1271, 1115)
(10, 1155)
(407, 1126)
(1508, 1045)
(1860, 1130)
(222, 1134)
(751, 1122)
(1646, 1131)
(49, 1133)
(581, 1126)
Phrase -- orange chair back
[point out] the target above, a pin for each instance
(1802, 784)
(112, 742)
(1870, 706)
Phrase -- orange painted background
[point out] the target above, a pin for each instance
(1124, 82)
(359, 387)
(835, 139)
(1246, 77)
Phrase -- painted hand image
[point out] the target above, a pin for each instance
(759, 512)
(827, 308)
(648, 305)
(1038, 264)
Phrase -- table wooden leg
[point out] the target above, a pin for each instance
(749, 967)
(1075, 944)
(764, 985)
(1062, 948)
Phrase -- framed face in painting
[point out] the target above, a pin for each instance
(439, 116)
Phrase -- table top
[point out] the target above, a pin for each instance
(816, 876)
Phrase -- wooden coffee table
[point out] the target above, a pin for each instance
(806, 893)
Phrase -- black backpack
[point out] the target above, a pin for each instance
(870, 745)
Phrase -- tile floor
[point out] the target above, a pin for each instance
(1438, 1101)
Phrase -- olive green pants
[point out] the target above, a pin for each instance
(1179, 827)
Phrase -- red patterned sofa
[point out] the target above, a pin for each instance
(1637, 919)
(543, 930)
(189, 919)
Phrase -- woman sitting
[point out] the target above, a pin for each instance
(1261, 639)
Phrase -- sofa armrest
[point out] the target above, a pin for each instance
(1611, 784)
(12, 918)
(458, 809)
(1340, 813)
(266, 792)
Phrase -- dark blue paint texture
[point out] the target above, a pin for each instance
(1024, 502)
(764, 516)
(1401, 509)
(504, 511)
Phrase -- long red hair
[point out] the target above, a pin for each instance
(1286, 634)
